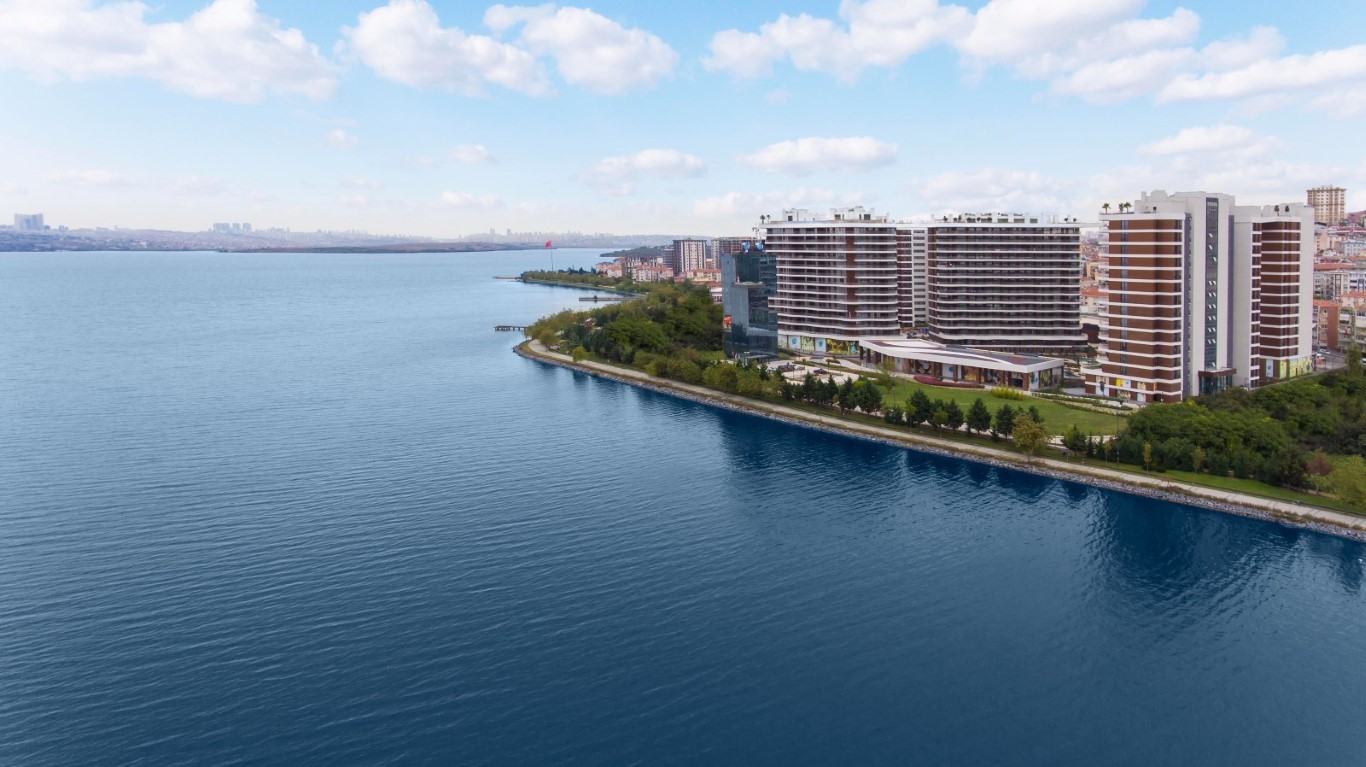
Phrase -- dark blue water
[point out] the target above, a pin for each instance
(310, 509)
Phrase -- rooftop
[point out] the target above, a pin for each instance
(929, 351)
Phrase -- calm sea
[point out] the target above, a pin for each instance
(292, 509)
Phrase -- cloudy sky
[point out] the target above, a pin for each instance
(444, 118)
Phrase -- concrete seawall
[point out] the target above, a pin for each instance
(1289, 513)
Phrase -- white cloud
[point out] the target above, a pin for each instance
(1015, 30)
(195, 185)
(778, 97)
(90, 179)
(992, 190)
(340, 139)
(9, 187)
(1148, 72)
(1098, 50)
(873, 33)
(360, 182)
(748, 205)
(618, 175)
(809, 155)
(1211, 138)
(471, 154)
(1343, 103)
(470, 201)
(354, 201)
(590, 50)
(405, 42)
(1263, 76)
(227, 50)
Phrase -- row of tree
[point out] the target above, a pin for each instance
(1270, 434)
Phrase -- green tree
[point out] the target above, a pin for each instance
(893, 416)
(920, 408)
(1030, 435)
(1349, 480)
(1034, 413)
(979, 417)
(953, 415)
(1197, 459)
(1147, 456)
(724, 377)
(938, 417)
(884, 374)
(867, 396)
(1075, 441)
(1353, 359)
(846, 397)
(1005, 420)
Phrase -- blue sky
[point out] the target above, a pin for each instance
(445, 118)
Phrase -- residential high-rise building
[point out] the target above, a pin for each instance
(29, 222)
(1275, 261)
(686, 255)
(1203, 295)
(837, 279)
(911, 275)
(1329, 204)
(721, 246)
(1005, 282)
(749, 279)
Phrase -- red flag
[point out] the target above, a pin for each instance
(547, 243)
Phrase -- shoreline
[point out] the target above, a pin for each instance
(578, 285)
(1288, 513)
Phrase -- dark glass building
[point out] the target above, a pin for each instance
(748, 279)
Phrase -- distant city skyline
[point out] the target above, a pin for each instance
(444, 119)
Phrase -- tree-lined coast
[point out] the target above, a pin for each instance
(1302, 440)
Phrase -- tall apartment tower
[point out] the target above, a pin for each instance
(1004, 282)
(1204, 295)
(911, 276)
(689, 255)
(837, 279)
(1329, 204)
(29, 222)
(1274, 268)
(724, 246)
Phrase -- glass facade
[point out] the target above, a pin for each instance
(748, 280)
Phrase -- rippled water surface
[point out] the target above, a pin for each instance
(286, 509)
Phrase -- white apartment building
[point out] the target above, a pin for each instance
(1203, 295)
(837, 280)
(912, 276)
(688, 255)
(1005, 282)
(29, 222)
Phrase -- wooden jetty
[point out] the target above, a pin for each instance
(510, 327)
(504, 277)
(601, 298)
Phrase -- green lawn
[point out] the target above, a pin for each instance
(1056, 416)
(1253, 487)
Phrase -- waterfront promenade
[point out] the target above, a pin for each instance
(1154, 486)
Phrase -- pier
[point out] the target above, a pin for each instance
(601, 298)
(510, 327)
